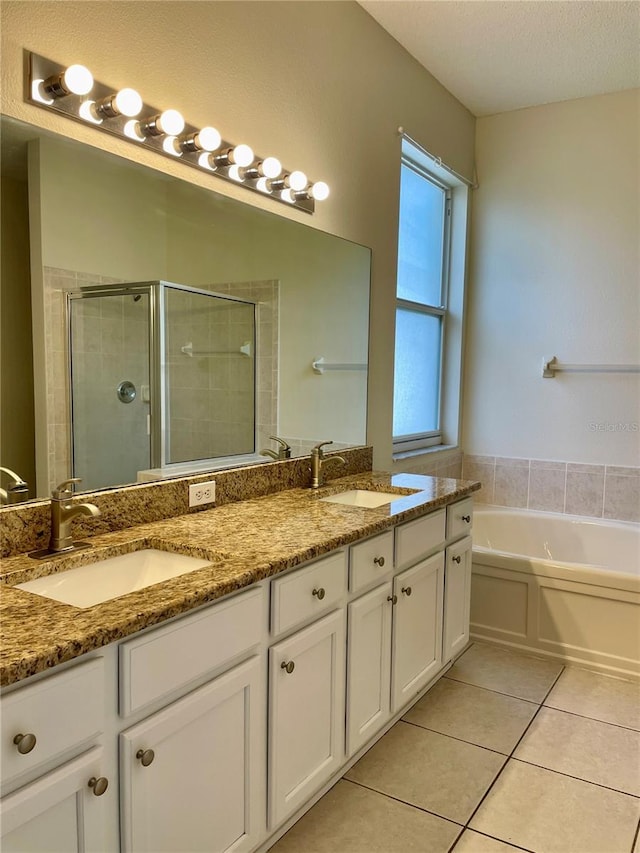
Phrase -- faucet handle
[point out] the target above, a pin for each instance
(65, 489)
(284, 451)
(318, 448)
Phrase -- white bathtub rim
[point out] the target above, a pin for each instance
(478, 509)
(576, 572)
(580, 572)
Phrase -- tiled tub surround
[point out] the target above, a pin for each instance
(597, 491)
(27, 527)
(247, 540)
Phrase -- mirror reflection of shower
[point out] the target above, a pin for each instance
(160, 375)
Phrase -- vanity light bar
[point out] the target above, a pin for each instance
(72, 92)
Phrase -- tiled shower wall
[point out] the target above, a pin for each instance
(597, 491)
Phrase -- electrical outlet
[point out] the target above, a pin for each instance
(202, 493)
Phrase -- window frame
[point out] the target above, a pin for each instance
(429, 438)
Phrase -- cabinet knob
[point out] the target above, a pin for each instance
(25, 743)
(379, 561)
(393, 599)
(457, 559)
(288, 665)
(320, 593)
(146, 756)
(99, 785)
(406, 590)
(467, 518)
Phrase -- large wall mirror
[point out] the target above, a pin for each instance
(154, 328)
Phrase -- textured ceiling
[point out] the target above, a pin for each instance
(496, 56)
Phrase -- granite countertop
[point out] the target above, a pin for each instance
(246, 542)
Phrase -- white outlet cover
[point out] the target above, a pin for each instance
(202, 493)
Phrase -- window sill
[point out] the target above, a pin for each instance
(424, 451)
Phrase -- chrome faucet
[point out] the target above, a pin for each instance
(318, 459)
(63, 513)
(17, 491)
(283, 452)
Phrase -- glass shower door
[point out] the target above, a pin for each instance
(109, 349)
(209, 368)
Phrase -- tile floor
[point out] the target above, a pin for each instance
(506, 752)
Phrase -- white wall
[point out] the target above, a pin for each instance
(319, 84)
(555, 271)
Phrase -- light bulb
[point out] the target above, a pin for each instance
(89, 112)
(170, 122)
(235, 172)
(288, 195)
(297, 181)
(170, 146)
(206, 161)
(241, 155)
(133, 130)
(77, 80)
(270, 167)
(319, 191)
(127, 102)
(207, 139)
(262, 184)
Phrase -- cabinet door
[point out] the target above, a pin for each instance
(368, 665)
(457, 598)
(306, 713)
(417, 628)
(192, 775)
(59, 812)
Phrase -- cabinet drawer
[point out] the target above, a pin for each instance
(309, 592)
(370, 560)
(460, 518)
(418, 538)
(62, 711)
(169, 658)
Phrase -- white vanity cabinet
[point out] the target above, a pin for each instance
(306, 684)
(192, 773)
(417, 629)
(457, 598)
(57, 802)
(368, 665)
(192, 776)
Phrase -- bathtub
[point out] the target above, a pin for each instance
(561, 585)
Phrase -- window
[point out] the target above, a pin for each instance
(421, 306)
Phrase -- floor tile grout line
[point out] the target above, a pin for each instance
(453, 737)
(404, 802)
(595, 719)
(499, 692)
(635, 838)
(493, 838)
(577, 778)
(509, 757)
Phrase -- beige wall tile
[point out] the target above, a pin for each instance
(622, 497)
(547, 488)
(585, 490)
(474, 468)
(511, 486)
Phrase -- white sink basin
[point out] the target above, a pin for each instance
(113, 577)
(363, 498)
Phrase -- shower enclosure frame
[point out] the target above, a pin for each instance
(156, 290)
